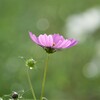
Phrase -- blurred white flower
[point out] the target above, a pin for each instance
(98, 49)
(1, 98)
(81, 25)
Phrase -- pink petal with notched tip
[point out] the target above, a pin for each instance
(46, 40)
(42, 40)
(57, 38)
(57, 44)
(33, 37)
(49, 40)
(73, 42)
(64, 43)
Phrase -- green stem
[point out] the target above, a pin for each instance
(44, 77)
(30, 83)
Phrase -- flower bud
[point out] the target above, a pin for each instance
(30, 63)
(14, 95)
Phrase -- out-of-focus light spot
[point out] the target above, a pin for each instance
(91, 70)
(43, 24)
(80, 26)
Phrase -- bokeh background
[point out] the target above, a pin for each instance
(74, 73)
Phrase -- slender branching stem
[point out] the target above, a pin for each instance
(30, 84)
(44, 76)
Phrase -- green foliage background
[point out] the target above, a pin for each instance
(65, 78)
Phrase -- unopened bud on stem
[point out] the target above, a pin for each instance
(30, 63)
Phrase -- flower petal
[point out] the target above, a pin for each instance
(52, 42)
(57, 37)
(49, 41)
(73, 42)
(64, 44)
(57, 45)
(42, 39)
(33, 37)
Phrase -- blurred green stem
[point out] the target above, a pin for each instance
(30, 83)
(44, 76)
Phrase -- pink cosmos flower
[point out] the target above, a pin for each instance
(52, 43)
